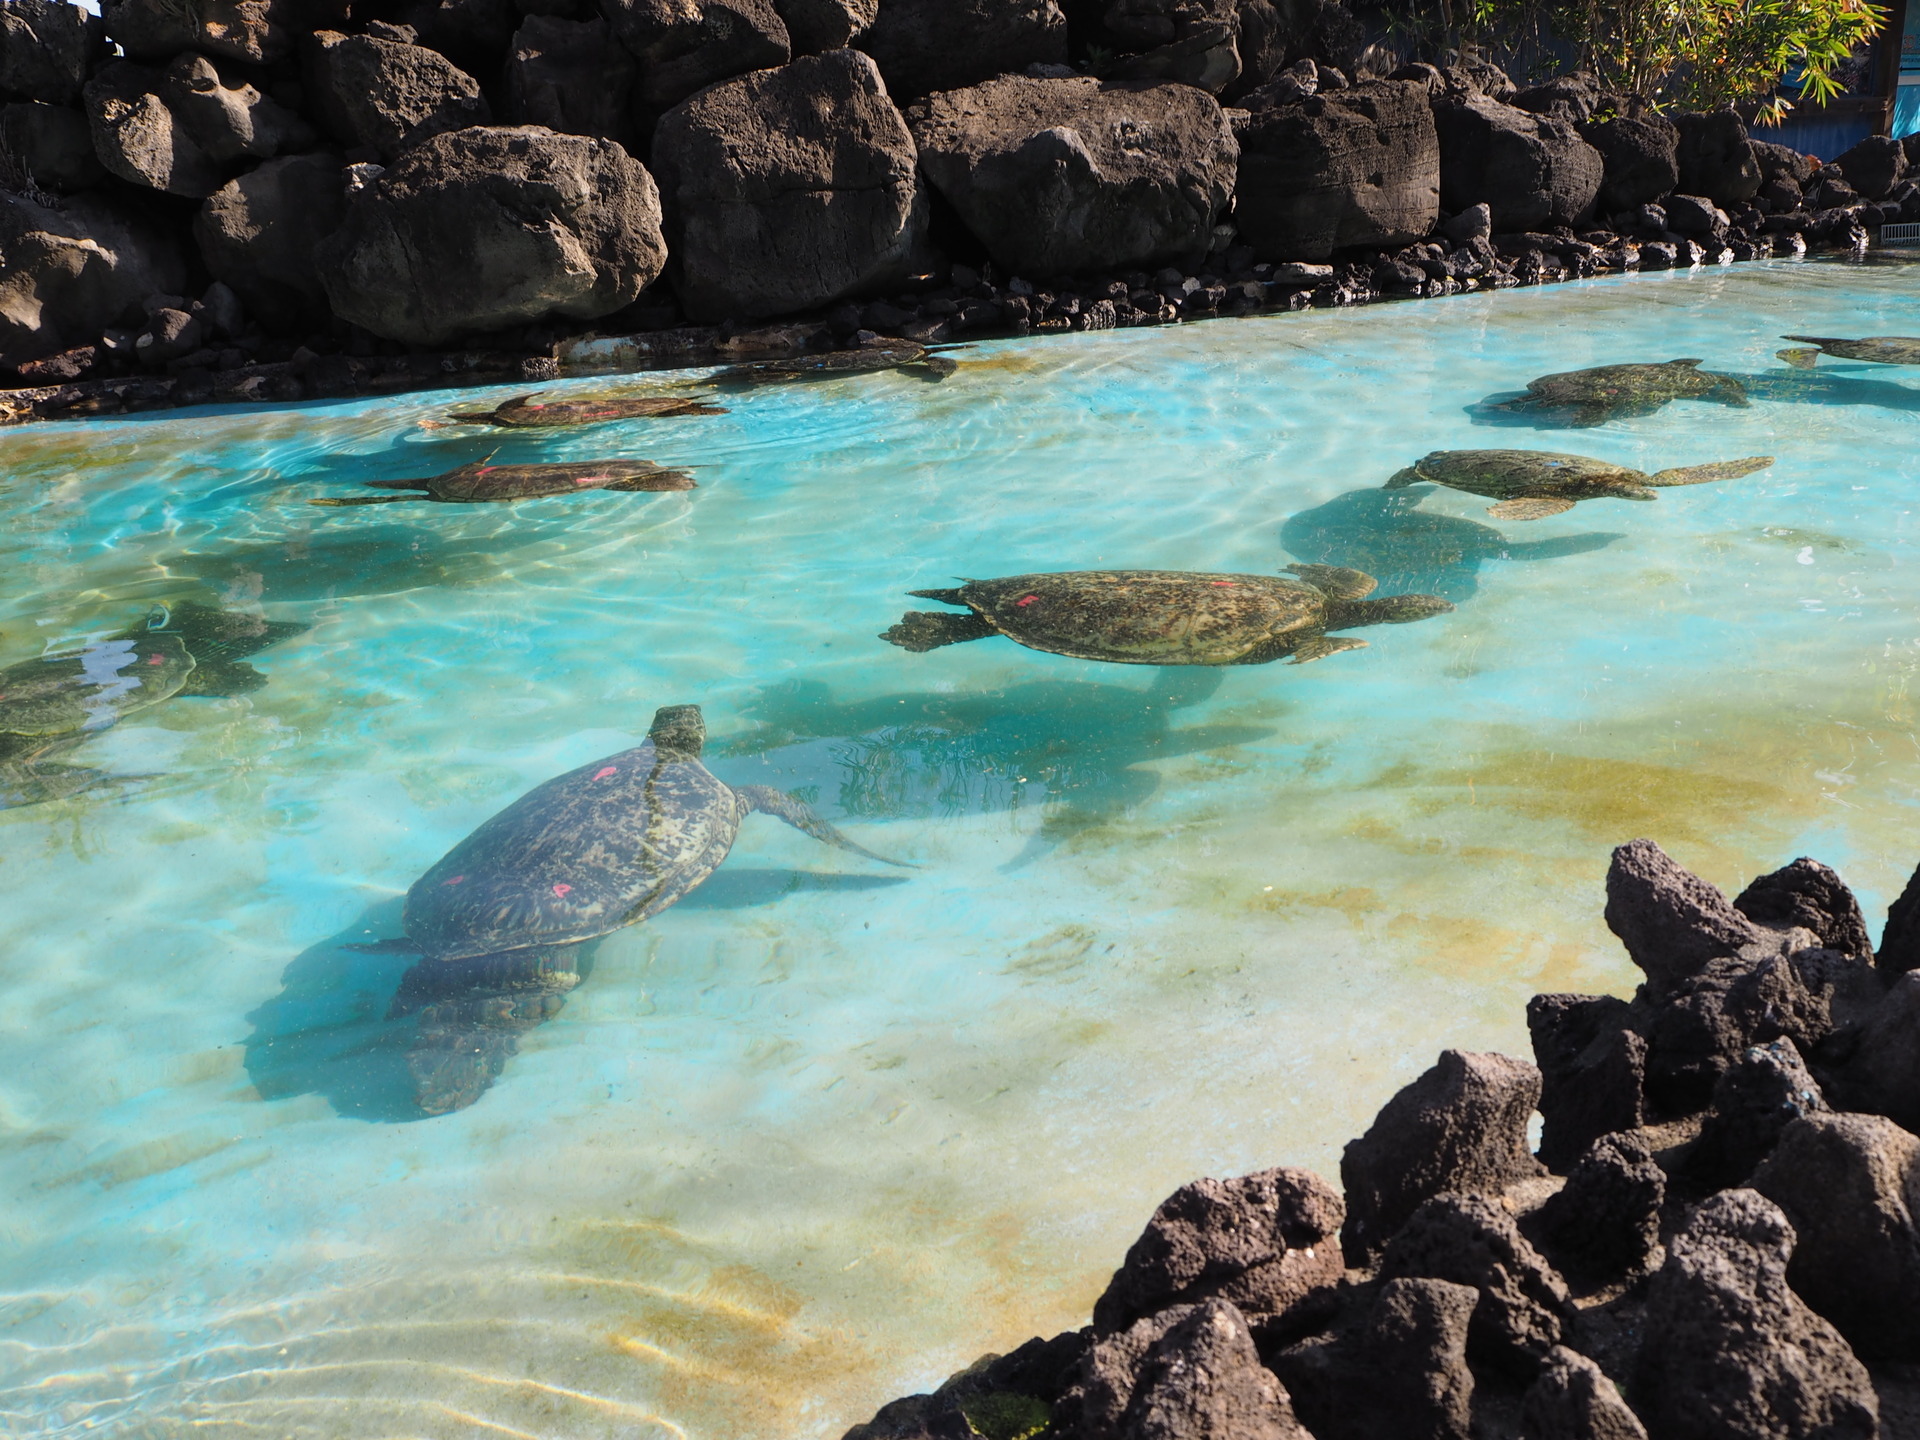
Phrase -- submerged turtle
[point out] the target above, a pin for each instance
(1530, 484)
(521, 412)
(1610, 392)
(499, 919)
(482, 483)
(1880, 349)
(893, 355)
(1166, 617)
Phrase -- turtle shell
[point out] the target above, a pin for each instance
(483, 483)
(581, 855)
(1624, 384)
(832, 362)
(1880, 349)
(1504, 474)
(1151, 617)
(69, 694)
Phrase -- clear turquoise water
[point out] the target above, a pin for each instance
(823, 1133)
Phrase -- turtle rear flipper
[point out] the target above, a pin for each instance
(1529, 509)
(1322, 646)
(1716, 470)
(1799, 359)
(924, 630)
(656, 480)
(938, 367)
(797, 813)
(1336, 582)
(222, 679)
(369, 500)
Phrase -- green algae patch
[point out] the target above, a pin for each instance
(1004, 1415)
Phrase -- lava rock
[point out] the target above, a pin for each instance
(1101, 1385)
(1671, 921)
(471, 33)
(1530, 170)
(384, 96)
(140, 139)
(1850, 1185)
(230, 121)
(789, 189)
(167, 335)
(1573, 96)
(1709, 1021)
(1193, 42)
(46, 48)
(54, 143)
(74, 269)
(1461, 1127)
(1640, 156)
(570, 76)
(1883, 1072)
(1900, 940)
(1781, 162)
(1059, 177)
(817, 26)
(1523, 1307)
(1716, 159)
(923, 46)
(1400, 1373)
(1729, 1352)
(1604, 1223)
(258, 234)
(492, 227)
(61, 369)
(1592, 1072)
(686, 45)
(1874, 166)
(1697, 218)
(1808, 895)
(254, 32)
(1574, 1400)
(1203, 1380)
(1358, 167)
(1753, 1102)
(1264, 1241)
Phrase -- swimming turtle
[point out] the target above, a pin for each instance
(1530, 484)
(1880, 349)
(893, 355)
(499, 918)
(483, 483)
(522, 412)
(1608, 392)
(1166, 617)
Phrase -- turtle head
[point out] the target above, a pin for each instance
(159, 617)
(1400, 479)
(678, 732)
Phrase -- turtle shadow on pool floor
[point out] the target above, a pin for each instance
(1790, 387)
(377, 559)
(1410, 550)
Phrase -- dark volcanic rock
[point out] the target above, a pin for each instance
(141, 140)
(258, 235)
(1203, 1380)
(817, 26)
(1809, 895)
(1641, 159)
(1191, 41)
(1707, 1023)
(1592, 1072)
(72, 271)
(251, 31)
(1671, 921)
(1573, 96)
(927, 45)
(1063, 176)
(46, 47)
(491, 227)
(1399, 1374)
(789, 189)
(230, 119)
(1358, 167)
(471, 33)
(1874, 166)
(686, 45)
(1900, 940)
(1461, 1127)
(1758, 1097)
(1523, 1307)
(383, 95)
(1574, 1400)
(1850, 1184)
(54, 143)
(1780, 162)
(1531, 170)
(1729, 1352)
(1716, 159)
(1263, 1241)
(1605, 1221)
(570, 76)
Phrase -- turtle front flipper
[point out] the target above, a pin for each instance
(799, 814)
(1533, 508)
(1336, 582)
(924, 630)
(1716, 470)
(1322, 646)
(1799, 359)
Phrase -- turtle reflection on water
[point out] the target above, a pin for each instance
(499, 919)
(1166, 617)
(522, 413)
(1880, 349)
(481, 483)
(1530, 484)
(893, 355)
(1622, 392)
(50, 705)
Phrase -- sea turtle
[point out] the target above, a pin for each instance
(1166, 617)
(481, 483)
(1880, 349)
(1530, 484)
(521, 412)
(1609, 392)
(499, 918)
(893, 355)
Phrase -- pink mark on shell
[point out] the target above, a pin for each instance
(1026, 599)
(455, 881)
(157, 660)
(1224, 584)
(588, 479)
(562, 889)
(605, 771)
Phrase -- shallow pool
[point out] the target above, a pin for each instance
(827, 1130)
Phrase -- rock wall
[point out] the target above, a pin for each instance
(376, 184)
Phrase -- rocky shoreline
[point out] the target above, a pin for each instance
(251, 201)
(1718, 1236)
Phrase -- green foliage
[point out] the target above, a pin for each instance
(1003, 1415)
